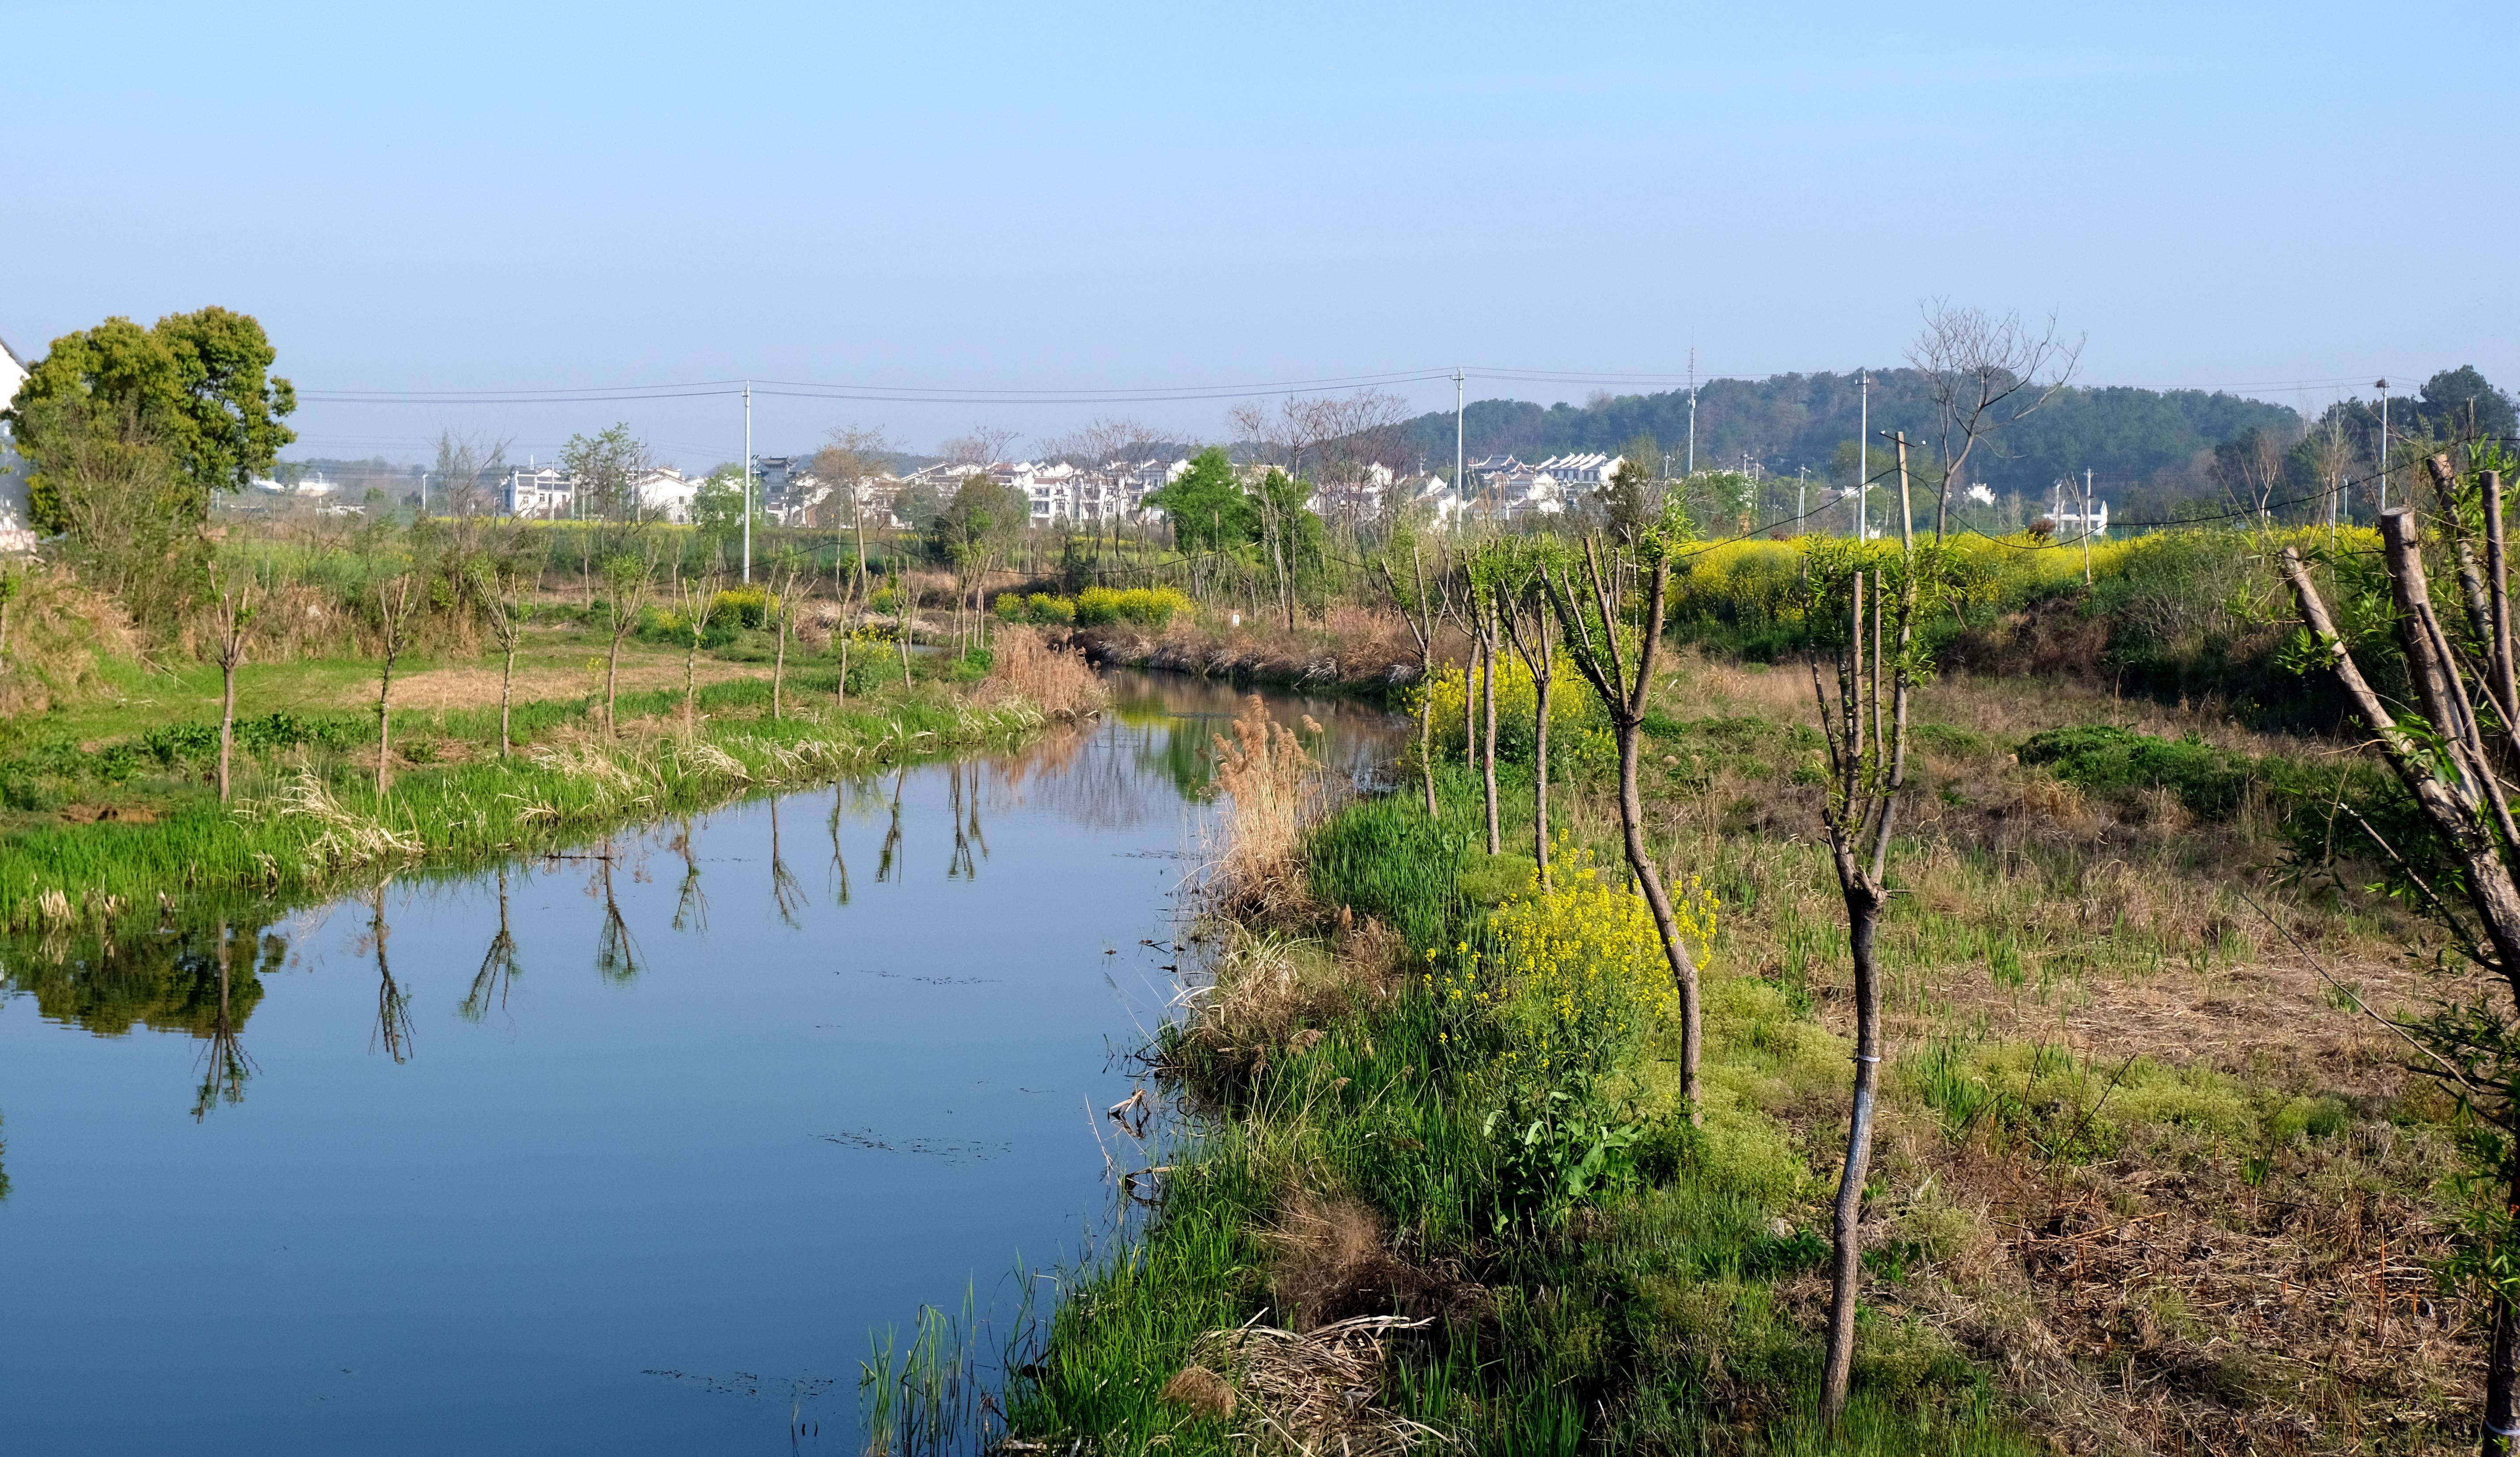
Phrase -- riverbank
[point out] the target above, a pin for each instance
(311, 816)
(1353, 651)
(2142, 1181)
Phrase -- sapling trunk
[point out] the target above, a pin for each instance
(778, 666)
(227, 720)
(1540, 758)
(507, 695)
(1487, 750)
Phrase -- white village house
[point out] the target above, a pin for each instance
(17, 529)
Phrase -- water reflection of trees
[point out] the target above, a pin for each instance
(839, 862)
(616, 950)
(499, 965)
(690, 908)
(785, 893)
(167, 981)
(225, 1065)
(889, 861)
(393, 1004)
(961, 866)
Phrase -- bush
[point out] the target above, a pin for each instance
(742, 607)
(1147, 607)
(2209, 781)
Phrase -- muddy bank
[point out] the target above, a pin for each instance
(1365, 661)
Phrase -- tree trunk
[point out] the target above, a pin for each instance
(691, 668)
(1684, 970)
(1426, 741)
(1487, 749)
(844, 673)
(1540, 761)
(384, 727)
(227, 721)
(2503, 1362)
(611, 681)
(1864, 916)
(506, 691)
(779, 670)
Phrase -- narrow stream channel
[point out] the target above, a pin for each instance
(625, 1154)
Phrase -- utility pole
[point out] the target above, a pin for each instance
(2087, 525)
(1862, 433)
(747, 482)
(1802, 489)
(1460, 437)
(2383, 385)
(1692, 412)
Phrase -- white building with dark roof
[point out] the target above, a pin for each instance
(16, 525)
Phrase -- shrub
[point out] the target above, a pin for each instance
(1049, 611)
(742, 607)
(1147, 607)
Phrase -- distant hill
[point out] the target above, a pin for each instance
(2124, 435)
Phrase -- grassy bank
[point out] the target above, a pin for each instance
(110, 821)
(2148, 1179)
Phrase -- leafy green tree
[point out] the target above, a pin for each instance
(1207, 506)
(197, 386)
(717, 505)
(976, 530)
(2450, 396)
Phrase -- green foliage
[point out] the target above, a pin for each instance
(195, 384)
(2209, 781)
(980, 523)
(1208, 507)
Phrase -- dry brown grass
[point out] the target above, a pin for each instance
(1313, 1392)
(2189, 1290)
(1060, 684)
(1274, 790)
(59, 635)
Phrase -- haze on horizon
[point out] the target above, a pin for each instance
(2284, 202)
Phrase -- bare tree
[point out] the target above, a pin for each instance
(782, 617)
(232, 617)
(467, 466)
(1624, 683)
(852, 456)
(2451, 747)
(1523, 607)
(628, 579)
(499, 585)
(1867, 772)
(980, 445)
(1984, 372)
(1424, 614)
(697, 601)
(398, 600)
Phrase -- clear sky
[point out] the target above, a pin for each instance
(2275, 198)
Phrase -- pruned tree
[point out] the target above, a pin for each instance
(1617, 662)
(1848, 590)
(232, 618)
(782, 617)
(852, 455)
(696, 604)
(467, 466)
(2451, 749)
(1522, 601)
(1423, 613)
(399, 602)
(1984, 372)
(499, 967)
(627, 580)
(501, 590)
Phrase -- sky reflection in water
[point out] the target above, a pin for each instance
(621, 1152)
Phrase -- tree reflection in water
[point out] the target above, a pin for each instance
(616, 951)
(393, 1005)
(839, 864)
(499, 965)
(225, 1066)
(690, 910)
(785, 893)
(886, 862)
(960, 866)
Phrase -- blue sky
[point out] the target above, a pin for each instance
(525, 197)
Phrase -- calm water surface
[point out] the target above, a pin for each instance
(743, 1090)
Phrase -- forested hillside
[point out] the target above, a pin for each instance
(1787, 422)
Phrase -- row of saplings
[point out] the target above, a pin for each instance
(1601, 603)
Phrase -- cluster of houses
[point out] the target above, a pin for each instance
(790, 493)
(17, 526)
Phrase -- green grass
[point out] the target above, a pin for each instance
(1650, 1321)
(310, 821)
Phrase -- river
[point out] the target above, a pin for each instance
(626, 1152)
